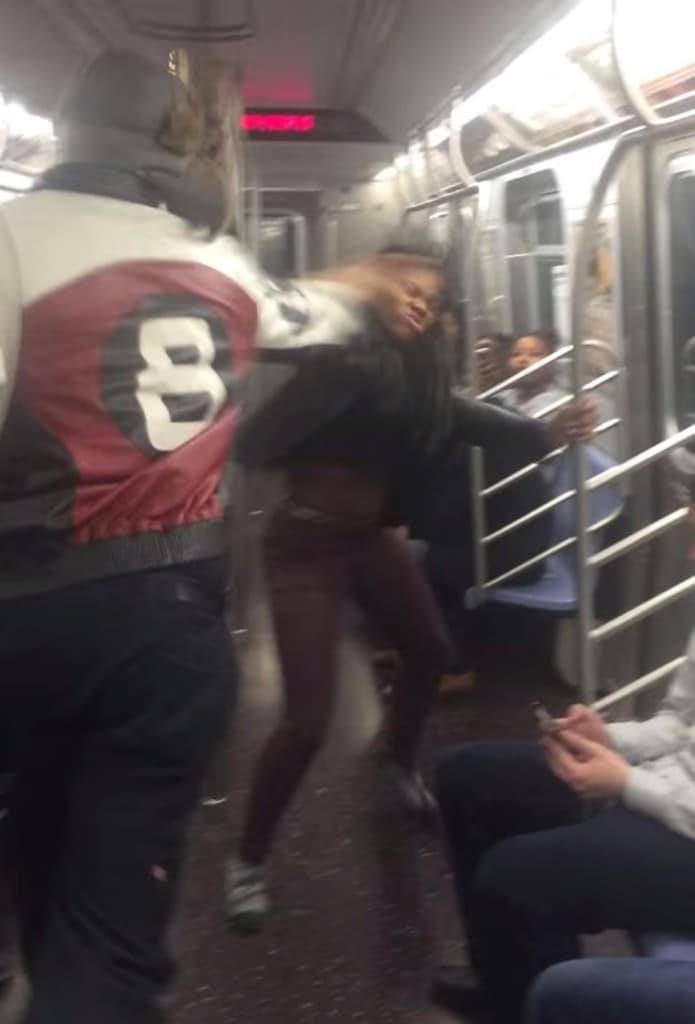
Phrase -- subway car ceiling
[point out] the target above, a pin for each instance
(388, 62)
(418, 96)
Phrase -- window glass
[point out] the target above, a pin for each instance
(535, 245)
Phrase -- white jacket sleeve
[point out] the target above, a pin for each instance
(668, 730)
(10, 318)
(671, 800)
(300, 314)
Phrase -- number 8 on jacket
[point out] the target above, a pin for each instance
(178, 353)
(179, 391)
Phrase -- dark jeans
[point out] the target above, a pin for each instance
(532, 874)
(113, 697)
(630, 991)
(313, 565)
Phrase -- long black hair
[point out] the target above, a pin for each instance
(428, 361)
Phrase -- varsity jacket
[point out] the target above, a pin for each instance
(125, 340)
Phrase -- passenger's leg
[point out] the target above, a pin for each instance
(533, 895)
(490, 791)
(630, 991)
(159, 705)
(395, 593)
(306, 584)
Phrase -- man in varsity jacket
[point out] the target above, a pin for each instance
(128, 322)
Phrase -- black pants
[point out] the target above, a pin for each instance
(532, 874)
(113, 697)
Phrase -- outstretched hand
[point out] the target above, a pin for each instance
(587, 767)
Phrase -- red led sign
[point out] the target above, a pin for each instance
(281, 123)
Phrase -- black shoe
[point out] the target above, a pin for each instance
(458, 990)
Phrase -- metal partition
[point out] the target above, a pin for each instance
(590, 635)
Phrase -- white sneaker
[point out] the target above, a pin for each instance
(246, 898)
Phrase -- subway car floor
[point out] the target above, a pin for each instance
(364, 908)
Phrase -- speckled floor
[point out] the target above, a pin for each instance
(363, 915)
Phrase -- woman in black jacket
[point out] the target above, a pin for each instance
(350, 427)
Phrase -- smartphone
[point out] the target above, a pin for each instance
(545, 720)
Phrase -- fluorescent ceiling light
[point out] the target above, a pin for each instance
(437, 135)
(21, 124)
(658, 38)
(386, 174)
(535, 76)
(402, 161)
(15, 181)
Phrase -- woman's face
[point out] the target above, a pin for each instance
(526, 352)
(416, 301)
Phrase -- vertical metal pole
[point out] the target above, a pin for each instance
(254, 220)
(477, 459)
(585, 591)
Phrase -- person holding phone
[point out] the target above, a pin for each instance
(533, 871)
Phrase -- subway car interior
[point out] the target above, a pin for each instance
(547, 147)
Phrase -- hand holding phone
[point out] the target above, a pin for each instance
(546, 722)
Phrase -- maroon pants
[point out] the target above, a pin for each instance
(313, 564)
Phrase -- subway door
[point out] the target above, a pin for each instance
(619, 282)
(282, 244)
(670, 259)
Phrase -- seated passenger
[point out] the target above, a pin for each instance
(440, 513)
(634, 990)
(533, 873)
(534, 393)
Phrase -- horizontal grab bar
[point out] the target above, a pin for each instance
(507, 481)
(644, 458)
(593, 385)
(641, 611)
(535, 513)
(554, 550)
(643, 683)
(511, 573)
(523, 374)
(639, 537)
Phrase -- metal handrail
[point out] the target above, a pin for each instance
(643, 683)
(641, 611)
(645, 458)
(529, 517)
(593, 483)
(547, 506)
(519, 474)
(654, 529)
(523, 374)
(593, 385)
(554, 550)
(580, 290)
